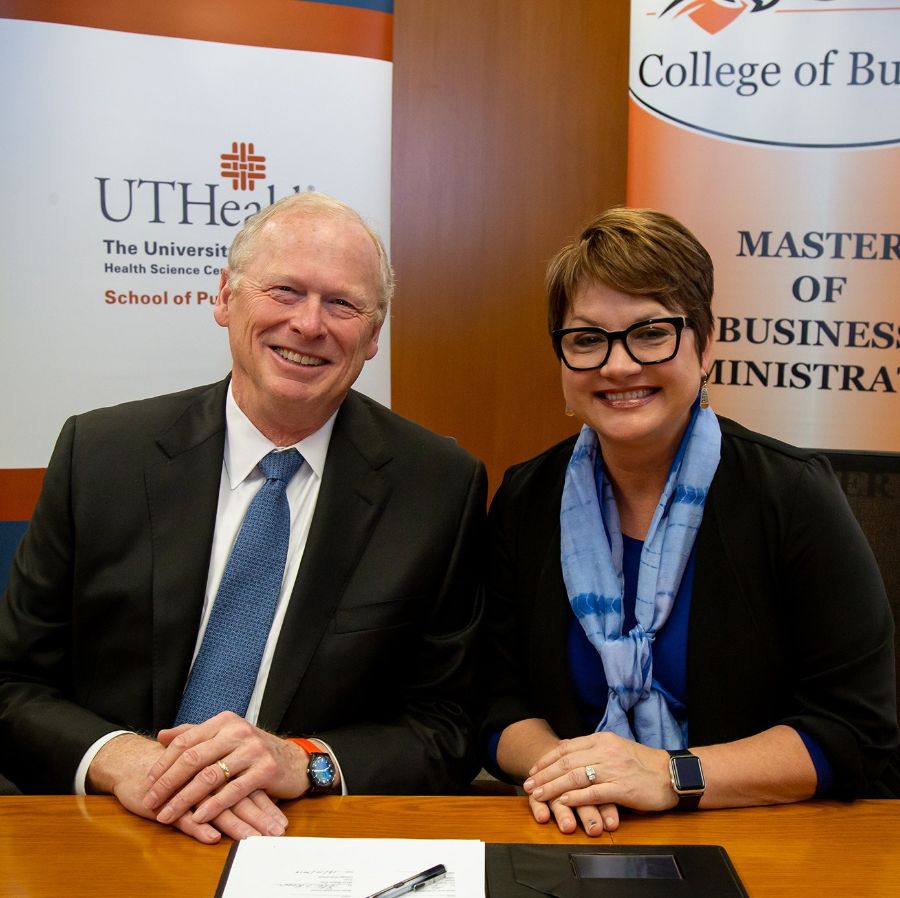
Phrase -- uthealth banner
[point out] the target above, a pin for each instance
(136, 138)
(772, 129)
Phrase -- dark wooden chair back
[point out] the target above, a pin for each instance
(871, 482)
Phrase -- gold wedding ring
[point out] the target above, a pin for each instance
(589, 772)
(225, 771)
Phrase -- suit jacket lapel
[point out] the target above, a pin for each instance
(182, 480)
(351, 499)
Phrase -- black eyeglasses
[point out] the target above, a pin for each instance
(648, 342)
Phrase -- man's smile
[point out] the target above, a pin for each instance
(297, 358)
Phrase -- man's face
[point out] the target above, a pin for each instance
(301, 321)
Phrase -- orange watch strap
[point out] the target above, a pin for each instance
(307, 746)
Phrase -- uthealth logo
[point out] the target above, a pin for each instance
(714, 15)
(243, 166)
(162, 201)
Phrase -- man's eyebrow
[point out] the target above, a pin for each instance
(269, 280)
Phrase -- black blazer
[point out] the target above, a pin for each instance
(789, 619)
(100, 618)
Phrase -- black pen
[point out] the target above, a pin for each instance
(412, 883)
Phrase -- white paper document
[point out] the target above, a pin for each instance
(289, 867)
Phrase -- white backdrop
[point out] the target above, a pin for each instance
(111, 147)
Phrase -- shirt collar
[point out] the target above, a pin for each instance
(245, 445)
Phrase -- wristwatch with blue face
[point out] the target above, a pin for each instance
(321, 772)
(686, 773)
(320, 768)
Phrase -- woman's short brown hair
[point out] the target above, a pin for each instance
(638, 251)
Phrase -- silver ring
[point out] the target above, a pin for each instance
(225, 771)
(589, 772)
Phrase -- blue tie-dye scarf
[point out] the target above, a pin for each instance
(592, 570)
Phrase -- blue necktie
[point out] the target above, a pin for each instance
(224, 673)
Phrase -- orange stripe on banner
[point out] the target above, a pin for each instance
(284, 24)
(19, 490)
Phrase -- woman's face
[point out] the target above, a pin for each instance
(630, 405)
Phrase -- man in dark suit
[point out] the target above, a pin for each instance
(367, 654)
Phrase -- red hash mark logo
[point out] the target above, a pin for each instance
(243, 166)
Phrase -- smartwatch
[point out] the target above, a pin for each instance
(320, 769)
(686, 773)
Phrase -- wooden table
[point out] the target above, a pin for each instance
(55, 846)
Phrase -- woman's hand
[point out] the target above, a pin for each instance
(520, 743)
(624, 773)
(594, 819)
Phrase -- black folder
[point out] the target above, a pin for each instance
(611, 871)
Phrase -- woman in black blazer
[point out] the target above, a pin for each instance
(681, 612)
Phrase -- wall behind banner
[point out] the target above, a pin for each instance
(509, 132)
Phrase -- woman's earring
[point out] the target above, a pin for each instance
(569, 412)
(704, 391)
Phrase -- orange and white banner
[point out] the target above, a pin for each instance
(137, 137)
(772, 129)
